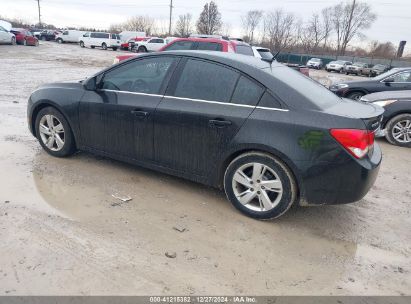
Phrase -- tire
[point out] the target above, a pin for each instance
(82, 44)
(355, 95)
(13, 40)
(68, 146)
(141, 49)
(392, 127)
(114, 49)
(37, 43)
(346, 73)
(92, 46)
(25, 42)
(59, 40)
(278, 202)
(104, 46)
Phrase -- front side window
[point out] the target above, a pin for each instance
(141, 76)
(65, 33)
(209, 46)
(402, 77)
(207, 81)
(247, 92)
(86, 35)
(180, 45)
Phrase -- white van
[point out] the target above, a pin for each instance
(99, 39)
(6, 25)
(69, 36)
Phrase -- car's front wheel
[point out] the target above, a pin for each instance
(54, 132)
(81, 44)
(59, 40)
(104, 46)
(399, 130)
(260, 185)
(13, 40)
(355, 95)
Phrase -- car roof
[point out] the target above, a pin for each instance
(198, 39)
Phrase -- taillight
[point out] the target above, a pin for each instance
(356, 142)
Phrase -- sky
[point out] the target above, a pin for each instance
(393, 16)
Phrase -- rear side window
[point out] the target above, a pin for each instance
(268, 101)
(142, 76)
(206, 80)
(244, 49)
(209, 46)
(180, 45)
(247, 92)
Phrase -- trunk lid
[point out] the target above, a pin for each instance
(370, 114)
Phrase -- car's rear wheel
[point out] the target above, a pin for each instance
(81, 44)
(104, 46)
(260, 185)
(92, 46)
(355, 95)
(13, 40)
(399, 130)
(54, 132)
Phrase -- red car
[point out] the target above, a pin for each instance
(25, 37)
(203, 44)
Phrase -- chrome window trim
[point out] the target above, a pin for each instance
(134, 93)
(199, 100)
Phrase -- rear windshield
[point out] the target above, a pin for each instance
(244, 49)
(304, 86)
(265, 54)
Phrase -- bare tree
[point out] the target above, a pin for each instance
(381, 49)
(184, 25)
(250, 22)
(140, 24)
(280, 28)
(348, 21)
(326, 14)
(226, 29)
(210, 20)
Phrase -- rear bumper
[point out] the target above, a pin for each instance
(346, 180)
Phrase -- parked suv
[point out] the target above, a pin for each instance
(150, 45)
(315, 63)
(379, 69)
(357, 68)
(337, 66)
(99, 39)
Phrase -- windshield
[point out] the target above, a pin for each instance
(304, 87)
(386, 74)
(358, 64)
(379, 66)
(315, 59)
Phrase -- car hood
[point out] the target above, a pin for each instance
(387, 95)
(63, 85)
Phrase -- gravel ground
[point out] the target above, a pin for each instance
(62, 232)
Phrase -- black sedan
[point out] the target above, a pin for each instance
(267, 135)
(396, 123)
(397, 79)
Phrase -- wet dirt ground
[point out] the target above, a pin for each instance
(62, 232)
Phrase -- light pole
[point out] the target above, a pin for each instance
(38, 4)
(171, 14)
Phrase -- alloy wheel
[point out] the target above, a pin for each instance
(52, 132)
(402, 131)
(257, 187)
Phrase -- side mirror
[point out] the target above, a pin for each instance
(94, 83)
(387, 81)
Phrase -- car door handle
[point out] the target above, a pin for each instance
(139, 113)
(219, 123)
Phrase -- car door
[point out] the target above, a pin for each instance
(155, 44)
(118, 117)
(197, 119)
(3, 35)
(400, 81)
